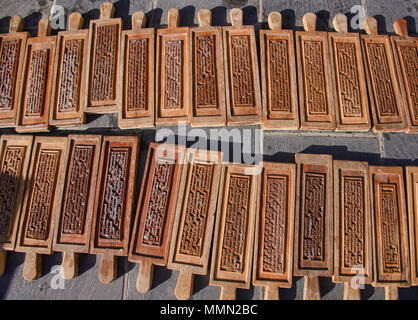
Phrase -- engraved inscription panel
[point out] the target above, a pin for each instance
(409, 60)
(11, 169)
(111, 219)
(43, 191)
(9, 61)
(173, 81)
(158, 202)
(235, 229)
(70, 78)
(77, 190)
(197, 210)
(103, 86)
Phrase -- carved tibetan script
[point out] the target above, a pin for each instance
(348, 79)
(313, 245)
(158, 202)
(274, 242)
(173, 81)
(197, 210)
(77, 190)
(105, 62)
(70, 78)
(279, 85)
(111, 219)
(43, 191)
(9, 60)
(409, 60)
(36, 90)
(137, 73)
(235, 229)
(11, 169)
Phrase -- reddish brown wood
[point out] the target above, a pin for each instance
(412, 193)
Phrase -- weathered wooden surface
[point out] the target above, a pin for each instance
(412, 194)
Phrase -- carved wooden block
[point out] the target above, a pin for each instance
(386, 102)
(405, 51)
(390, 229)
(102, 62)
(316, 96)
(150, 242)
(195, 215)
(313, 253)
(278, 76)
(242, 81)
(207, 73)
(273, 245)
(113, 204)
(351, 100)
(12, 52)
(352, 226)
(412, 193)
(35, 97)
(15, 153)
(137, 69)
(69, 84)
(173, 84)
(73, 227)
(41, 203)
(232, 252)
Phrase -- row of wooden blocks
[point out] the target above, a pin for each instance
(209, 76)
(315, 218)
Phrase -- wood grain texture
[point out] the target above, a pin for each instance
(412, 194)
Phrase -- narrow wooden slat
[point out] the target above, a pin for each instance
(412, 194)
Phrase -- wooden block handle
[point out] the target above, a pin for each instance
(236, 17)
(401, 28)
(184, 287)
(275, 20)
(228, 292)
(32, 269)
(271, 293)
(309, 22)
(340, 23)
(107, 271)
(204, 16)
(107, 10)
(173, 18)
(75, 21)
(69, 265)
(16, 24)
(2, 261)
(391, 292)
(370, 25)
(138, 20)
(145, 275)
(351, 293)
(44, 28)
(311, 288)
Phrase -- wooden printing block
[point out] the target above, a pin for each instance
(351, 100)
(41, 202)
(412, 193)
(35, 97)
(352, 227)
(278, 76)
(316, 100)
(15, 153)
(70, 75)
(242, 81)
(390, 230)
(173, 84)
(136, 68)
(273, 245)
(113, 205)
(207, 73)
(405, 51)
(195, 215)
(232, 252)
(313, 253)
(12, 51)
(150, 242)
(73, 227)
(102, 62)
(386, 101)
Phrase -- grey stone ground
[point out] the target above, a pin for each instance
(386, 149)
